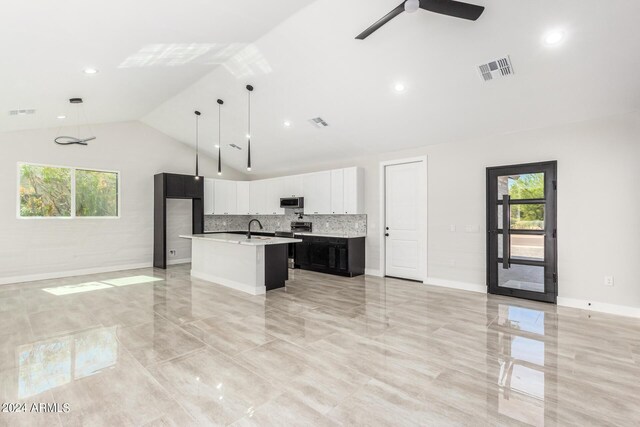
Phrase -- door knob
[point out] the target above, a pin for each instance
(387, 228)
(386, 234)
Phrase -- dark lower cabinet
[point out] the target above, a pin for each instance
(331, 255)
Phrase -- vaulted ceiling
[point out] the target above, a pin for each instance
(145, 51)
(304, 62)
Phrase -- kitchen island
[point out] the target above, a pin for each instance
(255, 265)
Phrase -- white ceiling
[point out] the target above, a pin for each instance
(317, 68)
(137, 46)
(310, 65)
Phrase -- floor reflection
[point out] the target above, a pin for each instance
(525, 389)
(48, 364)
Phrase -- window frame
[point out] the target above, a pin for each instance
(72, 170)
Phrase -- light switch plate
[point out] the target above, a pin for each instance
(608, 280)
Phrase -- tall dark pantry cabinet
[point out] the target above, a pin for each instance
(174, 186)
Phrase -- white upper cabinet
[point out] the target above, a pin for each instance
(292, 186)
(225, 197)
(243, 198)
(257, 197)
(209, 196)
(316, 188)
(274, 189)
(353, 190)
(337, 191)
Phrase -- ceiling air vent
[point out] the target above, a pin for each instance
(499, 68)
(319, 122)
(21, 112)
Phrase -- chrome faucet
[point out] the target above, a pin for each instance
(249, 228)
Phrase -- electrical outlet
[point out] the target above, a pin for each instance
(173, 252)
(608, 280)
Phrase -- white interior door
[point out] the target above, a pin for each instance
(405, 218)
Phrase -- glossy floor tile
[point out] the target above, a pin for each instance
(156, 348)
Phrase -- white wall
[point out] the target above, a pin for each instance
(46, 247)
(598, 204)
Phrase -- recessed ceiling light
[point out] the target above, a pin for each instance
(553, 37)
(399, 87)
(62, 117)
(287, 124)
(90, 71)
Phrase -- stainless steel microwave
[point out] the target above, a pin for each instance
(292, 202)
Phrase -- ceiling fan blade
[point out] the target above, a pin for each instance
(453, 8)
(386, 18)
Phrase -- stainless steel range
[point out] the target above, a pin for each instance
(296, 227)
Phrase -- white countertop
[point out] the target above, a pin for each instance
(329, 234)
(240, 239)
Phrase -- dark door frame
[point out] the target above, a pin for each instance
(550, 262)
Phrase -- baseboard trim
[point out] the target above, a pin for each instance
(372, 272)
(602, 307)
(179, 261)
(71, 273)
(453, 284)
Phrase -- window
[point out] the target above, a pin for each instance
(45, 191)
(64, 192)
(96, 193)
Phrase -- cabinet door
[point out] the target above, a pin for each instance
(273, 191)
(292, 186)
(192, 187)
(337, 191)
(175, 185)
(257, 198)
(333, 261)
(242, 199)
(209, 196)
(353, 191)
(231, 200)
(342, 262)
(317, 192)
(319, 254)
(302, 254)
(220, 193)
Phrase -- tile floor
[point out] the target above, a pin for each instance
(156, 348)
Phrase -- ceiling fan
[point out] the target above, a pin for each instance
(445, 7)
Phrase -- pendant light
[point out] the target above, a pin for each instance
(197, 113)
(250, 89)
(70, 140)
(220, 102)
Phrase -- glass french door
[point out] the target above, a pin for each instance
(522, 232)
